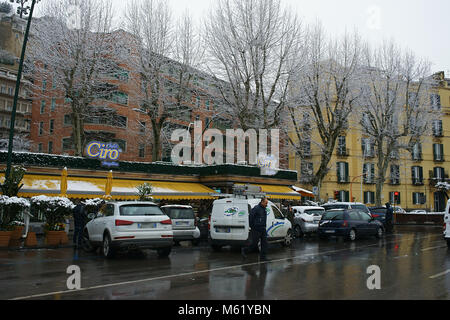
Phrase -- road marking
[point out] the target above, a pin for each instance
(440, 274)
(431, 248)
(198, 272)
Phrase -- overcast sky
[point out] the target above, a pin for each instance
(421, 25)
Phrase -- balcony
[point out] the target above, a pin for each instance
(417, 182)
(343, 152)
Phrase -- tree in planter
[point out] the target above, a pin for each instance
(144, 191)
(11, 207)
(55, 209)
(93, 205)
(12, 184)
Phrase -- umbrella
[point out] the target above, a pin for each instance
(63, 187)
(109, 181)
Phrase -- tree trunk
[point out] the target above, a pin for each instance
(156, 148)
(78, 133)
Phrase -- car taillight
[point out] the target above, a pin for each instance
(168, 221)
(345, 224)
(123, 223)
(375, 215)
(445, 226)
(209, 223)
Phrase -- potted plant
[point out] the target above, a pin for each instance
(145, 191)
(10, 227)
(54, 209)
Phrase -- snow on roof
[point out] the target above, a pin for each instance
(177, 206)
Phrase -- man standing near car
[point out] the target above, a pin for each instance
(389, 218)
(257, 223)
(79, 218)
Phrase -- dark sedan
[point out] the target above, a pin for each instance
(379, 213)
(350, 224)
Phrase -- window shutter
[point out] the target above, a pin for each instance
(420, 174)
(365, 197)
(346, 172)
(372, 172)
(441, 151)
(347, 196)
(363, 145)
(413, 174)
(339, 172)
(398, 200)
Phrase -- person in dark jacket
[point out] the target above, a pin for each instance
(258, 231)
(79, 218)
(389, 218)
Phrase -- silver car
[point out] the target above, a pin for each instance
(306, 219)
(184, 223)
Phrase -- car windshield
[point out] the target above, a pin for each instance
(314, 212)
(333, 215)
(334, 206)
(180, 213)
(360, 207)
(140, 210)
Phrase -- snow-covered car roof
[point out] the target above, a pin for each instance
(120, 203)
(307, 208)
(177, 206)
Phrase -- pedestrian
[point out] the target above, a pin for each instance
(389, 218)
(79, 218)
(257, 223)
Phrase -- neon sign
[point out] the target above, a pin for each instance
(107, 152)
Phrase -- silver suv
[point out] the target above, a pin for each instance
(345, 205)
(306, 219)
(184, 223)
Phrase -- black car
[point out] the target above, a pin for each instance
(379, 213)
(350, 224)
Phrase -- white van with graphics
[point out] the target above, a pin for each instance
(447, 223)
(229, 223)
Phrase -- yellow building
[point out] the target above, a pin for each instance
(413, 179)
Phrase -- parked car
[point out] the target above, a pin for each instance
(306, 219)
(129, 225)
(398, 209)
(447, 223)
(229, 223)
(418, 212)
(379, 213)
(350, 224)
(345, 205)
(184, 223)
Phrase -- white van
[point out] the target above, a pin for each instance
(229, 223)
(447, 223)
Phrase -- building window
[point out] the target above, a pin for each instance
(392, 200)
(118, 97)
(142, 127)
(369, 197)
(344, 196)
(198, 102)
(342, 172)
(417, 152)
(40, 147)
(369, 173)
(42, 106)
(342, 146)
(435, 100)
(367, 147)
(41, 128)
(306, 148)
(50, 147)
(44, 85)
(207, 104)
(419, 198)
(67, 144)
(67, 119)
(438, 152)
(306, 172)
(437, 128)
(52, 126)
(141, 150)
(10, 91)
(9, 105)
(53, 106)
(417, 175)
(395, 174)
(438, 174)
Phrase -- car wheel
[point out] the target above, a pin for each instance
(288, 239)
(380, 232)
(298, 231)
(352, 235)
(164, 252)
(86, 244)
(216, 248)
(108, 250)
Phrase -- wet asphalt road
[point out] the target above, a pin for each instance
(414, 264)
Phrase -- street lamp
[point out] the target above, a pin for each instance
(16, 94)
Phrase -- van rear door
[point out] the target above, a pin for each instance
(229, 220)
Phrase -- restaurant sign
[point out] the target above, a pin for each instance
(108, 153)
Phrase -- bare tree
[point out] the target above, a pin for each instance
(164, 61)
(73, 50)
(252, 46)
(324, 96)
(395, 109)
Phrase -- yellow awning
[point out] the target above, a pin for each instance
(126, 189)
(279, 192)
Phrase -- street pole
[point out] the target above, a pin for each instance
(16, 94)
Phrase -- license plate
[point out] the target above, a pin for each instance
(223, 230)
(146, 225)
(329, 231)
(180, 223)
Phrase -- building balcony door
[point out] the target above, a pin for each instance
(440, 201)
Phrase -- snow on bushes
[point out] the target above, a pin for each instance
(54, 209)
(11, 208)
